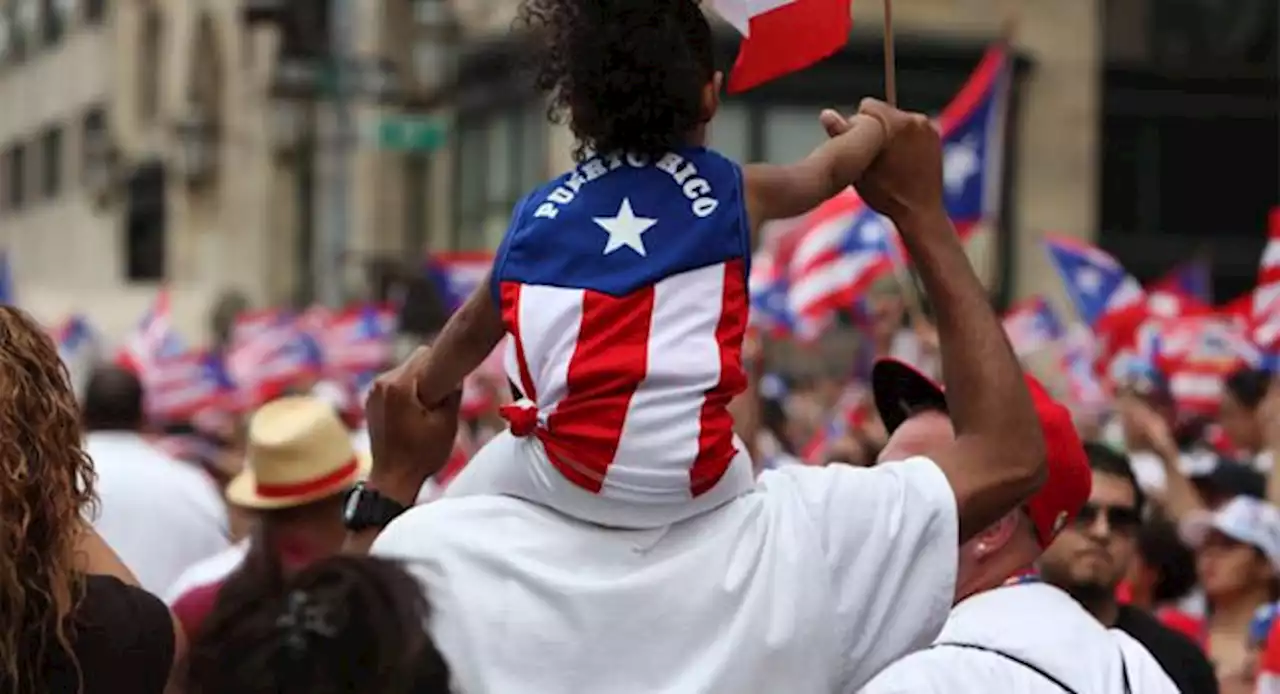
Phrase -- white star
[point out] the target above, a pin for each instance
(959, 164)
(625, 229)
(1089, 279)
(872, 232)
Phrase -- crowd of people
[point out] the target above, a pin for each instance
(642, 515)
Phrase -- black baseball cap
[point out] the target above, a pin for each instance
(900, 389)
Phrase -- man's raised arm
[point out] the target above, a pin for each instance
(998, 458)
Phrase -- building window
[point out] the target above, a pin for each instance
(149, 65)
(93, 141)
(52, 20)
(499, 157)
(95, 10)
(15, 170)
(145, 224)
(417, 181)
(23, 17)
(51, 162)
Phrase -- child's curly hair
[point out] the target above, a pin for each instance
(46, 485)
(628, 74)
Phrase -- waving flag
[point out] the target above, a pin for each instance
(846, 249)
(1096, 283)
(359, 340)
(1268, 290)
(179, 387)
(972, 128)
(269, 353)
(1032, 326)
(1185, 290)
(1078, 354)
(768, 286)
(152, 340)
(783, 36)
(74, 337)
(456, 275)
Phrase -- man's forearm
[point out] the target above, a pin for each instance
(986, 392)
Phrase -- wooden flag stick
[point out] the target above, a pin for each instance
(890, 70)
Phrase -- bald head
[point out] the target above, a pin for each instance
(922, 433)
(113, 400)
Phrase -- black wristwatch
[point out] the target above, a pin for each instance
(366, 508)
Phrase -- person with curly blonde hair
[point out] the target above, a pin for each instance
(72, 618)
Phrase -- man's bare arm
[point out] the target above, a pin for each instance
(998, 458)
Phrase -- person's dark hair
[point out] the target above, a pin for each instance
(344, 624)
(628, 75)
(1247, 385)
(1104, 459)
(113, 400)
(1175, 564)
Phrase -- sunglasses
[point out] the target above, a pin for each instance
(1121, 519)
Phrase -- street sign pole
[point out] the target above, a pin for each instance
(335, 221)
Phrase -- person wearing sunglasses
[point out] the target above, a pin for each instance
(1090, 556)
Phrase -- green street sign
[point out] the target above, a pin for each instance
(410, 133)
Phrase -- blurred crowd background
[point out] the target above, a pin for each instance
(237, 200)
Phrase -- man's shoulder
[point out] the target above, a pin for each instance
(449, 520)
(860, 489)
(932, 670)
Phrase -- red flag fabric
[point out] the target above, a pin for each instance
(788, 35)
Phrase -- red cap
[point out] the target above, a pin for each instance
(900, 390)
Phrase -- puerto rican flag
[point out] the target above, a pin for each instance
(153, 340)
(1097, 284)
(1086, 390)
(74, 338)
(359, 340)
(845, 247)
(768, 286)
(456, 275)
(972, 128)
(269, 354)
(783, 36)
(1032, 326)
(180, 387)
(1267, 292)
(1184, 290)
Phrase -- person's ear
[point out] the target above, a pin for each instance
(995, 536)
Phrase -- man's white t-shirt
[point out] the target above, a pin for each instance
(812, 582)
(1036, 623)
(159, 514)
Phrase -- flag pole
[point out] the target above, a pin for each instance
(914, 311)
(890, 69)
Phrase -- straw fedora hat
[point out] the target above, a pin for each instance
(298, 452)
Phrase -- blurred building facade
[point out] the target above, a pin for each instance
(157, 141)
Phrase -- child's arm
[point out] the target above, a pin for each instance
(783, 191)
(469, 336)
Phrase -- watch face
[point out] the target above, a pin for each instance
(353, 503)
